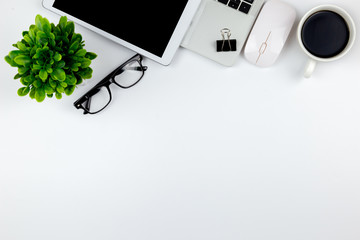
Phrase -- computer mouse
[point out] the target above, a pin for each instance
(270, 32)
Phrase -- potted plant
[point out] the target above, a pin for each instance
(51, 60)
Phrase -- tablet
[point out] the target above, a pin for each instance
(153, 29)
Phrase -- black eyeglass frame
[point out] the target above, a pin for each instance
(106, 82)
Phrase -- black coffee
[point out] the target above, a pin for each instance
(325, 34)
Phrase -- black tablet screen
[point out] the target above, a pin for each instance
(146, 24)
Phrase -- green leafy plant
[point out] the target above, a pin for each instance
(50, 59)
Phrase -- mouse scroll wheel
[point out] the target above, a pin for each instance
(264, 45)
(262, 48)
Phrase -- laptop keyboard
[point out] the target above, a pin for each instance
(243, 6)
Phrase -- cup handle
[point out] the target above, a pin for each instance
(310, 67)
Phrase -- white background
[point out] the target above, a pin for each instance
(196, 151)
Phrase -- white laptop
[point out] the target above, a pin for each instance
(218, 20)
(153, 29)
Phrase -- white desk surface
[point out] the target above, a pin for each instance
(196, 151)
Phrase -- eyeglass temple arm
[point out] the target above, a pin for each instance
(142, 68)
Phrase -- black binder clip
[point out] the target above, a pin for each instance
(226, 45)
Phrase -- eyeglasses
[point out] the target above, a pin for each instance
(125, 76)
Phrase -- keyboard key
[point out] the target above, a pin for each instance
(249, 1)
(245, 8)
(224, 1)
(234, 4)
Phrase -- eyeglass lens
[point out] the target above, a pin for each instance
(129, 75)
(98, 101)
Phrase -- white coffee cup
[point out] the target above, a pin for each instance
(310, 67)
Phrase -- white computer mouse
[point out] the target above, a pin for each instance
(270, 32)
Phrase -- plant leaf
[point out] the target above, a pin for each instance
(85, 63)
(90, 55)
(29, 79)
(32, 92)
(36, 66)
(61, 64)
(32, 33)
(37, 83)
(76, 37)
(23, 91)
(62, 22)
(49, 89)
(71, 80)
(38, 22)
(22, 60)
(21, 46)
(28, 39)
(41, 37)
(63, 84)
(59, 89)
(80, 53)
(69, 90)
(52, 36)
(33, 51)
(49, 69)
(41, 34)
(43, 74)
(74, 46)
(46, 26)
(23, 81)
(8, 59)
(86, 73)
(70, 27)
(57, 57)
(13, 54)
(58, 95)
(23, 70)
(52, 83)
(59, 74)
(17, 76)
(74, 68)
(40, 94)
